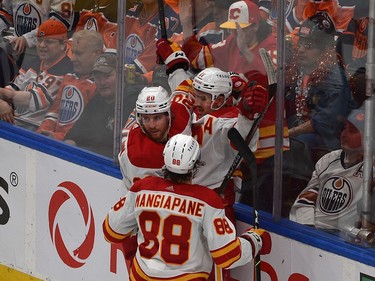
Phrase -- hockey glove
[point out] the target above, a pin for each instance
(260, 240)
(172, 55)
(253, 101)
(239, 82)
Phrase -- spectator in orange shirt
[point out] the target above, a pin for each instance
(77, 88)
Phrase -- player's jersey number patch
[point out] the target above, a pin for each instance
(222, 226)
(175, 232)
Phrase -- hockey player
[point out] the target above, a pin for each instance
(77, 88)
(155, 206)
(213, 119)
(158, 117)
(331, 198)
(34, 89)
(153, 130)
(249, 33)
(212, 88)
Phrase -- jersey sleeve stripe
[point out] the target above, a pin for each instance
(226, 256)
(110, 234)
(41, 97)
(6, 17)
(35, 100)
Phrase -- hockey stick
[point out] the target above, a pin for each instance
(249, 157)
(193, 14)
(272, 86)
(163, 28)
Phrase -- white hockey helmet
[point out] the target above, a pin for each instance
(181, 153)
(152, 100)
(213, 81)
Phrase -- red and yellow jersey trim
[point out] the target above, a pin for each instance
(137, 274)
(226, 256)
(266, 142)
(110, 235)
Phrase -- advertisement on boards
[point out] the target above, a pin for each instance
(13, 204)
(72, 202)
(291, 260)
(51, 214)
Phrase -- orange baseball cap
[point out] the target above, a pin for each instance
(53, 29)
(245, 13)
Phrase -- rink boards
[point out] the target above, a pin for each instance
(53, 200)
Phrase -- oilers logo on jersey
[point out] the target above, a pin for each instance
(92, 24)
(134, 46)
(71, 105)
(27, 18)
(337, 194)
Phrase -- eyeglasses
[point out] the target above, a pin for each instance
(47, 41)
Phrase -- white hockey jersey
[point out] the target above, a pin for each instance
(26, 15)
(331, 197)
(181, 229)
(211, 132)
(140, 156)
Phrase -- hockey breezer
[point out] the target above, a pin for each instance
(244, 150)
(272, 87)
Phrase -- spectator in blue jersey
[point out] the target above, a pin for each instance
(94, 130)
(34, 89)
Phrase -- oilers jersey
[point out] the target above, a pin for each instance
(75, 92)
(26, 15)
(330, 200)
(43, 84)
(97, 21)
(141, 35)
